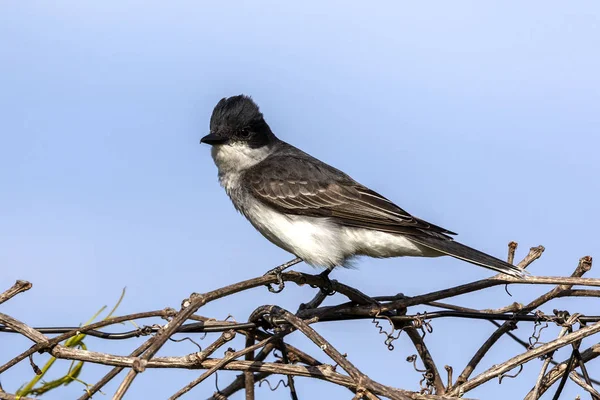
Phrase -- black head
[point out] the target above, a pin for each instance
(238, 119)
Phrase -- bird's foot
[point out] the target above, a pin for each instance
(327, 288)
(277, 272)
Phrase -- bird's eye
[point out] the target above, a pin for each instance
(245, 133)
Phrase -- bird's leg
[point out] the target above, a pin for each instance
(327, 288)
(277, 272)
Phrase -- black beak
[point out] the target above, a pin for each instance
(212, 139)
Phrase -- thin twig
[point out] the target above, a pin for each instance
(541, 376)
(575, 378)
(584, 372)
(291, 351)
(111, 375)
(512, 248)
(557, 372)
(360, 306)
(361, 379)
(482, 351)
(290, 378)
(425, 356)
(583, 266)
(19, 287)
(47, 344)
(563, 380)
(191, 305)
(249, 376)
(548, 359)
(222, 363)
(525, 357)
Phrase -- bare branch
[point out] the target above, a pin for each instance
(541, 376)
(47, 344)
(557, 372)
(249, 376)
(584, 265)
(575, 378)
(425, 356)
(512, 248)
(260, 342)
(18, 287)
(361, 379)
(524, 357)
(222, 363)
(325, 372)
(23, 329)
(113, 373)
(482, 351)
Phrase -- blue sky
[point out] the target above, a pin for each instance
(481, 117)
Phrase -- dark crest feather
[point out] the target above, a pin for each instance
(233, 116)
(234, 112)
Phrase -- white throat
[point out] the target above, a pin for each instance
(234, 158)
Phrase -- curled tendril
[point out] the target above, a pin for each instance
(187, 338)
(426, 382)
(510, 376)
(390, 338)
(534, 339)
(273, 388)
(421, 322)
(413, 359)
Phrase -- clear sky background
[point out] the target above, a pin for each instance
(481, 117)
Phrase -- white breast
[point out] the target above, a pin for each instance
(318, 241)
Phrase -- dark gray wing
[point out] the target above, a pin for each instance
(302, 185)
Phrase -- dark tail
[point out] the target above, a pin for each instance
(466, 253)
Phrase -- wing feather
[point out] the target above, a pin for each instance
(302, 186)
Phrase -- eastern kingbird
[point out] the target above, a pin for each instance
(311, 209)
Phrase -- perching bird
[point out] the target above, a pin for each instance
(312, 209)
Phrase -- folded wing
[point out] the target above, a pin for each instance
(310, 187)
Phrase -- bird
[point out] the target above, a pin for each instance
(313, 210)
